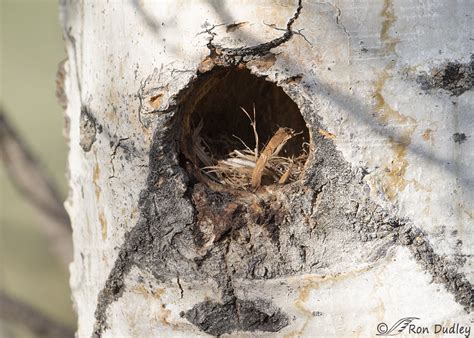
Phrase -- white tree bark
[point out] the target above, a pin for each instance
(380, 228)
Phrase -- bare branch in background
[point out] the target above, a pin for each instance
(14, 311)
(37, 188)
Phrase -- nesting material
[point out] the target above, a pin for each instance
(246, 168)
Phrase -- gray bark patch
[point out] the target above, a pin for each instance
(454, 77)
(239, 315)
(459, 137)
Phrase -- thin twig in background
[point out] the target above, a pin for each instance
(253, 123)
(15, 311)
(37, 188)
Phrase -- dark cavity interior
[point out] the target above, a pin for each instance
(214, 103)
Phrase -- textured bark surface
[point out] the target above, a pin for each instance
(380, 226)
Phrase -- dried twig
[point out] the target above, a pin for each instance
(286, 175)
(36, 188)
(14, 311)
(253, 123)
(273, 147)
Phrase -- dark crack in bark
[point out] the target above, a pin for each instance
(260, 49)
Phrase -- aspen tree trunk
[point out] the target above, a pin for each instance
(378, 228)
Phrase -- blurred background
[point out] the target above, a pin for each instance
(31, 48)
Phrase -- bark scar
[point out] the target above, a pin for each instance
(180, 287)
(114, 153)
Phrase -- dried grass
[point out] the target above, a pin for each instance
(246, 168)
